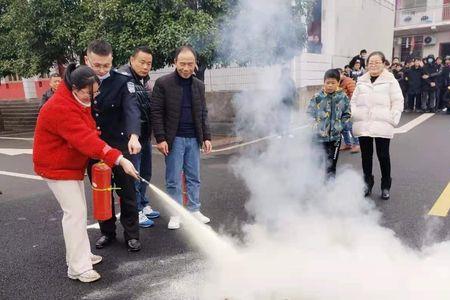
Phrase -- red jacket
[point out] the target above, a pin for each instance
(348, 85)
(66, 137)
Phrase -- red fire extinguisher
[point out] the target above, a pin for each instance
(101, 191)
(184, 189)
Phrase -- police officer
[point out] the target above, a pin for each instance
(117, 116)
(138, 68)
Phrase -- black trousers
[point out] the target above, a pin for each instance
(440, 98)
(332, 155)
(429, 100)
(417, 98)
(128, 205)
(382, 146)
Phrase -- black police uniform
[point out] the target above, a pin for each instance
(117, 116)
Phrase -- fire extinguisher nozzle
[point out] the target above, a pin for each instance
(143, 180)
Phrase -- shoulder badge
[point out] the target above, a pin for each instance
(131, 87)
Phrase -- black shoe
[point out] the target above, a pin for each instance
(369, 180)
(367, 191)
(133, 245)
(104, 241)
(385, 194)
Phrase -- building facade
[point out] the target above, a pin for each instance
(422, 27)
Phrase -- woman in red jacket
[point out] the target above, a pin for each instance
(65, 138)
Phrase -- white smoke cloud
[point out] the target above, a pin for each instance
(311, 238)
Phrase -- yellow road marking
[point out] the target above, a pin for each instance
(442, 204)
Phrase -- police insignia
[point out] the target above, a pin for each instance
(131, 87)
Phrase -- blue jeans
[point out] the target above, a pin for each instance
(184, 156)
(349, 138)
(143, 163)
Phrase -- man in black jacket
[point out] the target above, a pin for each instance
(180, 124)
(117, 116)
(413, 79)
(429, 85)
(138, 68)
(446, 84)
(55, 79)
(361, 57)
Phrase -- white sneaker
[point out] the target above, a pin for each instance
(88, 276)
(96, 259)
(144, 222)
(174, 222)
(199, 216)
(150, 213)
(147, 210)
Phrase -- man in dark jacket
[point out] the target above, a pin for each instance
(413, 78)
(117, 116)
(55, 79)
(429, 85)
(138, 68)
(440, 85)
(446, 83)
(180, 124)
(361, 57)
(398, 72)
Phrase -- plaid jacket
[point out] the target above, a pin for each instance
(329, 112)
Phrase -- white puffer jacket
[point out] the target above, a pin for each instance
(376, 107)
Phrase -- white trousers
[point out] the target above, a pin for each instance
(72, 199)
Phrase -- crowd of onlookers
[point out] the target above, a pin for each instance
(425, 82)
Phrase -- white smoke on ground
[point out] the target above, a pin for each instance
(311, 238)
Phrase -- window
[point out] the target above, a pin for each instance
(412, 46)
(409, 4)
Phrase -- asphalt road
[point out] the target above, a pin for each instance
(32, 259)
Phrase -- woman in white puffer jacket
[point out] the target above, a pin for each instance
(376, 106)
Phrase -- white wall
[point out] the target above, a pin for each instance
(307, 70)
(351, 25)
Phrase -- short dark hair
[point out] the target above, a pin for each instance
(347, 66)
(185, 48)
(79, 77)
(144, 49)
(396, 57)
(339, 70)
(377, 53)
(332, 74)
(100, 47)
(363, 51)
